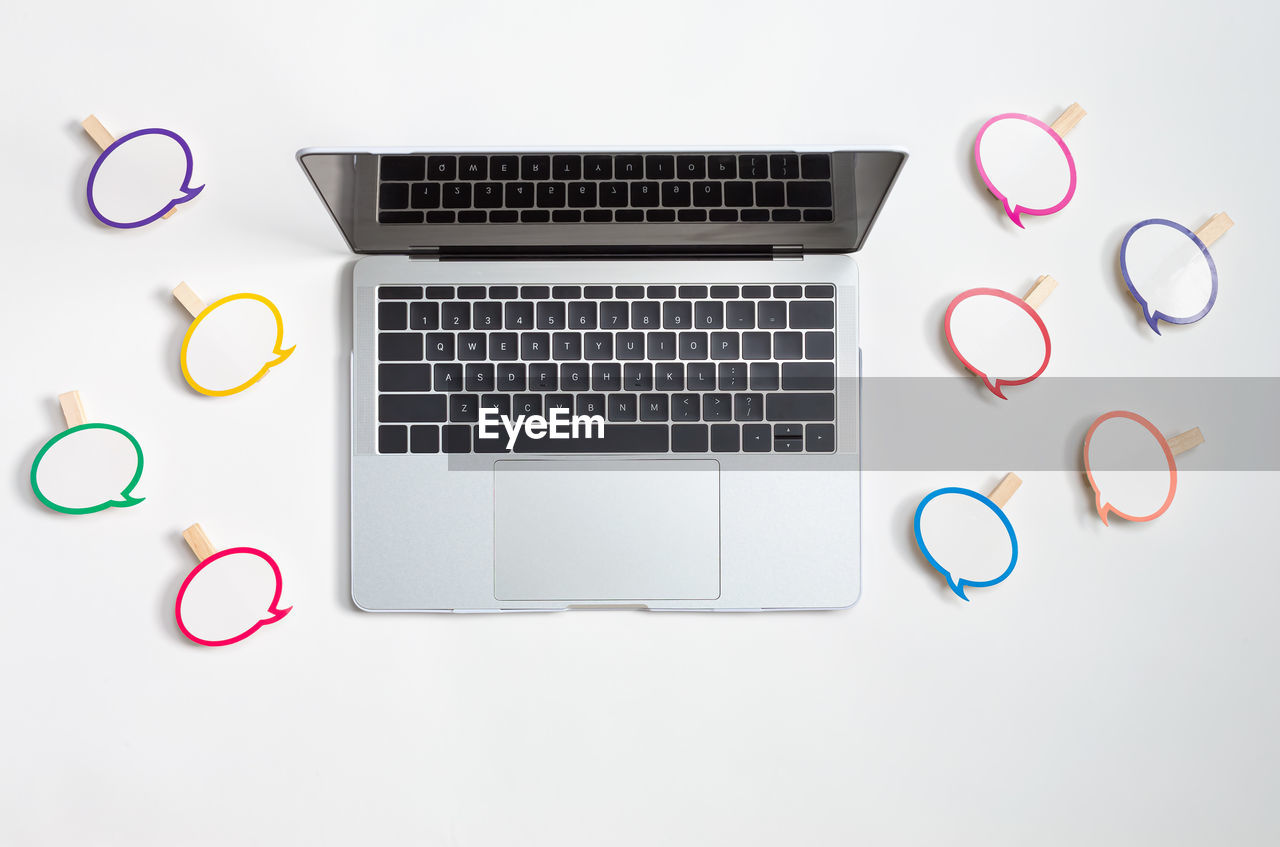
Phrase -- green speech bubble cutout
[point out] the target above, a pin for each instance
(125, 500)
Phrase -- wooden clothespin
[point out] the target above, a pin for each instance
(1184, 441)
(1214, 228)
(198, 541)
(1001, 493)
(72, 409)
(1068, 119)
(105, 139)
(1040, 292)
(189, 299)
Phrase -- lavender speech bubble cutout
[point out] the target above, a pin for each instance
(185, 191)
(1013, 210)
(1152, 316)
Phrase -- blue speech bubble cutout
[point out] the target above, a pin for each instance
(187, 192)
(958, 585)
(1153, 316)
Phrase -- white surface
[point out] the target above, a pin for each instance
(1119, 688)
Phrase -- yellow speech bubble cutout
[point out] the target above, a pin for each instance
(276, 351)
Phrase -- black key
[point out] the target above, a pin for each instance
(691, 215)
(550, 315)
(613, 195)
(424, 195)
(399, 292)
(693, 345)
(724, 438)
(732, 376)
(393, 314)
(813, 314)
(535, 216)
(724, 345)
(566, 167)
(535, 346)
(613, 315)
(487, 315)
(808, 376)
(442, 167)
(644, 194)
(701, 376)
(526, 404)
(628, 215)
(400, 346)
(762, 376)
(689, 438)
(402, 167)
(518, 315)
(660, 216)
(669, 376)
(551, 195)
(815, 166)
(757, 438)
(820, 438)
(692, 292)
(819, 291)
(503, 292)
(791, 291)
(489, 195)
(660, 292)
(686, 407)
(509, 376)
(424, 439)
(803, 194)
(404, 377)
(788, 445)
(582, 315)
(496, 442)
(629, 292)
(708, 315)
(787, 345)
(753, 166)
(566, 292)
(479, 377)
(559, 401)
(724, 292)
(455, 316)
(673, 194)
(644, 314)
(471, 216)
(464, 408)
(786, 215)
(817, 214)
(606, 376)
(439, 217)
(591, 404)
(748, 407)
(504, 167)
(755, 291)
(455, 439)
(622, 407)
(784, 166)
(582, 195)
(677, 314)
(542, 376)
(535, 167)
(769, 194)
(659, 167)
(706, 194)
(771, 314)
(503, 217)
(597, 292)
(575, 377)
(723, 167)
(500, 403)
(653, 407)
(457, 195)
(473, 167)
(723, 215)
(503, 346)
(472, 347)
(820, 345)
(393, 439)
(393, 195)
(628, 167)
(412, 408)
(741, 315)
(661, 345)
(717, 407)
(404, 217)
(800, 407)
(598, 167)
(788, 431)
(621, 438)
(755, 345)
(637, 376)
(691, 167)
(738, 194)
(566, 216)
(519, 195)
(448, 377)
(755, 215)
(597, 346)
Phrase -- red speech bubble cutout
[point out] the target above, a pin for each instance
(997, 384)
(275, 613)
(1106, 508)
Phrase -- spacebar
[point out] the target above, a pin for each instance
(618, 438)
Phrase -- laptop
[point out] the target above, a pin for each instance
(586, 379)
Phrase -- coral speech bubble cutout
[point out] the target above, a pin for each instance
(1167, 254)
(987, 329)
(951, 517)
(1020, 158)
(135, 180)
(222, 600)
(1104, 506)
(88, 468)
(222, 351)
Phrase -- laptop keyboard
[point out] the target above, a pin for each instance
(514, 188)
(671, 369)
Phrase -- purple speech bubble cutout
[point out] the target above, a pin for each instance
(1017, 212)
(1157, 315)
(188, 192)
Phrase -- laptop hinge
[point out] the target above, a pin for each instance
(788, 251)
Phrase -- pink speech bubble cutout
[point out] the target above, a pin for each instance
(1016, 212)
(276, 613)
(1106, 508)
(997, 384)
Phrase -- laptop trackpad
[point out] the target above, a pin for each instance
(583, 530)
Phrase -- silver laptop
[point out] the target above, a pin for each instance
(588, 379)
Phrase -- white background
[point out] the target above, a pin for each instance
(1119, 688)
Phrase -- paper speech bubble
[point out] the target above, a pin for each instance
(224, 598)
(997, 336)
(1136, 467)
(140, 177)
(964, 534)
(88, 468)
(224, 349)
(1173, 266)
(1025, 164)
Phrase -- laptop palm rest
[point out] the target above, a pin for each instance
(587, 530)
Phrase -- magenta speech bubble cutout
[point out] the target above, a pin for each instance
(1015, 212)
(996, 384)
(274, 612)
